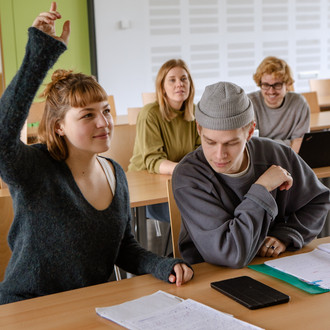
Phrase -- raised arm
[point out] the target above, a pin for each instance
(42, 51)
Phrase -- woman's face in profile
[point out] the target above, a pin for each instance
(176, 87)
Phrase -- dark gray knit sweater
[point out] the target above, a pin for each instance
(58, 240)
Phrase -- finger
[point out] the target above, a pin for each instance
(171, 278)
(53, 6)
(66, 32)
(178, 273)
(45, 17)
(271, 250)
(187, 274)
(277, 252)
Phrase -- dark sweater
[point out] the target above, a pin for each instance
(58, 240)
(226, 219)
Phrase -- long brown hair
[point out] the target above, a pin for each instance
(164, 106)
(66, 90)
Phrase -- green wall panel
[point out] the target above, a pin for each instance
(18, 15)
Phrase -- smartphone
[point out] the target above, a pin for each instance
(250, 292)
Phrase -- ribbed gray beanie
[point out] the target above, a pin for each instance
(224, 106)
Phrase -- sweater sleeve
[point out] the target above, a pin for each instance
(132, 257)
(150, 141)
(306, 208)
(41, 53)
(302, 125)
(136, 260)
(222, 237)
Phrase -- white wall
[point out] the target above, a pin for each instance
(218, 39)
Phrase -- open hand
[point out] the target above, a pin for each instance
(45, 22)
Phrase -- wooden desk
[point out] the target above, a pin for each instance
(324, 102)
(145, 189)
(322, 172)
(320, 120)
(76, 309)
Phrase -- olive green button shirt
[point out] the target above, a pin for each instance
(157, 139)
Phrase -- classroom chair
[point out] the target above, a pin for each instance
(311, 98)
(32, 123)
(321, 86)
(175, 218)
(133, 114)
(2, 184)
(111, 101)
(2, 84)
(148, 98)
(6, 217)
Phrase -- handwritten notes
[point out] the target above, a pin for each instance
(165, 311)
(312, 267)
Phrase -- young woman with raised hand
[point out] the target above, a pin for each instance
(72, 211)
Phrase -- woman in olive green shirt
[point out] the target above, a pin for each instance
(166, 129)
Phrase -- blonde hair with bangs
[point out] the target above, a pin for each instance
(66, 90)
(164, 106)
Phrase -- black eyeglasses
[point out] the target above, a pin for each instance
(278, 86)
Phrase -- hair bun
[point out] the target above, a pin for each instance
(57, 76)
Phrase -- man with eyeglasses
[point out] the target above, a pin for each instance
(280, 113)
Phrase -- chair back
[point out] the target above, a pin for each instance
(2, 185)
(36, 112)
(148, 98)
(132, 115)
(29, 133)
(321, 86)
(311, 98)
(111, 101)
(6, 219)
(175, 219)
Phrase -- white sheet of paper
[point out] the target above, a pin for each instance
(143, 306)
(161, 310)
(312, 267)
(189, 315)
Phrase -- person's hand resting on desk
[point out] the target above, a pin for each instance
(181, 274)
(274, 177)
(272, 247)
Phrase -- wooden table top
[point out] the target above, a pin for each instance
(320, 120)
(76, 309)
(324, 101)
(146, 188)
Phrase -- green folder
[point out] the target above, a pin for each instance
(310, 288)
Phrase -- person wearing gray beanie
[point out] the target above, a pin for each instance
(224, 106)
(236, 193)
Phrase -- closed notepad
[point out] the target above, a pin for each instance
(250, 292)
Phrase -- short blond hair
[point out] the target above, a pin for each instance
(276, 67)
(67, 89)
(164, 106)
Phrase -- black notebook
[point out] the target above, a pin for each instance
(314, 149)
(250, 292)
